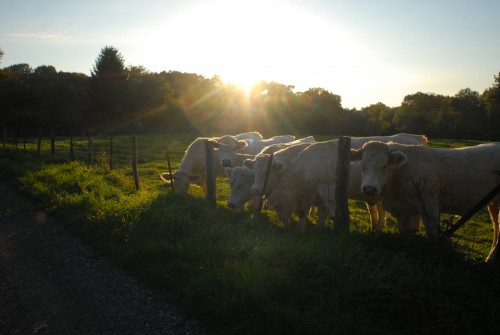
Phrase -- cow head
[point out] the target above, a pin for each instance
(240, 181)
(260, 169)
(227, 146)
(378, 162)
(181, 180)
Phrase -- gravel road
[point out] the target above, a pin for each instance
(51, 283)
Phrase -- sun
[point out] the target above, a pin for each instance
(262, 40)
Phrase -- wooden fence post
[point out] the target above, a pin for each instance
(341, 218)
(4, 136)
(24, 141)
(91, 147)
(211, 185)
(14, 142)
(134, 162)
(263, 192)
(39, 143)
(169, 167)
(111, 153)
(52, 142)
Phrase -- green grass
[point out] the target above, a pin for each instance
(243, 272)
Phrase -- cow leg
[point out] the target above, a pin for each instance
(409, 223)
(322, 215)
(494, 214)
(431, 214)
(372, 210)
(303, 209)
(377, 216)
(381, 215)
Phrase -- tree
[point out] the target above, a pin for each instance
(471, 114)
(20, 70)
(426, 113)
(107, 90)
(45, 70)
(376, 119)
(491, 98)
(323, 112)
(1, 55)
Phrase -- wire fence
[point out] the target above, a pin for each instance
(83, 142)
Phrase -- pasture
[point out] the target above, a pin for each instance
(246, 273)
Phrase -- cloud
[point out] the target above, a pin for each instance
(36, 37)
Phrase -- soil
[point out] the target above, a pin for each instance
(52, 283)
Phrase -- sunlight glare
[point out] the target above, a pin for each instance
(267, 40)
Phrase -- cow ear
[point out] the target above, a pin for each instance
(397, 159)
(279, 165)
(228, 171)
(240, 145)
(249, 163)
(193, 177)
(166, 176)
(355, 155)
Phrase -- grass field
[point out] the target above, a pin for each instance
(244, 272)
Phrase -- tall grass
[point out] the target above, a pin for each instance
(244, 272)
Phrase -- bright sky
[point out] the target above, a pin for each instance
(367, 51)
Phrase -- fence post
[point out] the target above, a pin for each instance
(211, 186)
(111, 153)
(134, 162)
(71, 151)
(341, 217)
(14, 142)
(24, 141)
(91, 147)
(266, 179)
(52, 142)
(4, 136)
(39, 143)
(169, 167)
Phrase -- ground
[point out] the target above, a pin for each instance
(51, 283)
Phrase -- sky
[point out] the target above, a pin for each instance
(366, 51)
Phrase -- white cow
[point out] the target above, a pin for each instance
(416, 180)
(240, 182)
(310, 179)
(232, 151)
(241, 178)
(193, 166)
(260, 165)
(250, 136)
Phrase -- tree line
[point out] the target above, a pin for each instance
(120, 99)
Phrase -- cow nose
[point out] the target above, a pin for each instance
(255, 191)
(226, 163)
(369, 190)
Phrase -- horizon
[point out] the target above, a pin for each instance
(364, 52)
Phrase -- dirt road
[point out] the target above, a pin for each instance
(51, 283)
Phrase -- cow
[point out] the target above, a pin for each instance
(241, 178)
(307, 181)
(422, 181)
(310, 179)
(240, 181)
(233, 151)
(193, 166)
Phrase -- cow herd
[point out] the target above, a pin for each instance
(400, 174)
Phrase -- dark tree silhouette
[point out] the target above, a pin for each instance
(107, 89)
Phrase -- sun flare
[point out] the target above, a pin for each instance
(271, 40)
